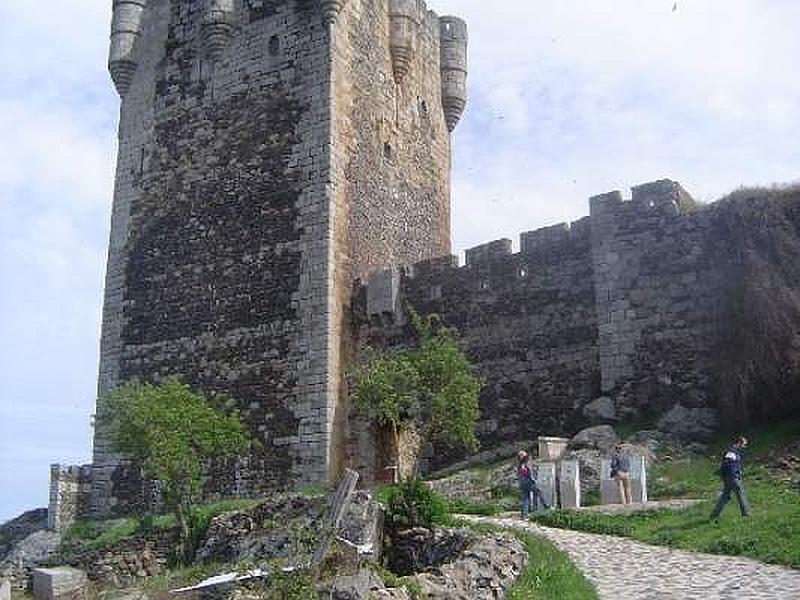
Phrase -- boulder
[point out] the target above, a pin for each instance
(282, 527)
(601, 410)
(17, 529)
(599, 437)
(589, 464)
(32, 551)
(485, 571)
(689, 422)
(417, 549)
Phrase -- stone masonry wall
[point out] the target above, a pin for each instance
(264, 163)
(526, 320)
(70, 487)
(219, 260)
(390, 160)
(628, 303)
(658, 298)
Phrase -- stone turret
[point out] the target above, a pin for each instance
(218, 26)
(126, 27)
(404, 29)
(454, 68)
(330, 10)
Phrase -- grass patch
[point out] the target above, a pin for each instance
(549, 574)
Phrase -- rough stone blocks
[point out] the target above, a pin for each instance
(60, 583)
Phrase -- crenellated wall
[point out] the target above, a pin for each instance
(627, 303)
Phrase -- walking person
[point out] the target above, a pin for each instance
(730, 471)
(529, 493)
(524, 482)
(621, 472)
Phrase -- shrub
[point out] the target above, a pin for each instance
(414, 504)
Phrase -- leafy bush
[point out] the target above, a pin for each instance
(414, 504)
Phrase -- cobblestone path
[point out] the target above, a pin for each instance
(623, 569)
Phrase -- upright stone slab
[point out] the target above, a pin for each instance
(569, 484)
(60, 583)
(5, 589)
(552, 448)
(638, 479)
(546, 478)
(609, 488)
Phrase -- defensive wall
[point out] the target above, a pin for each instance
(624, 303)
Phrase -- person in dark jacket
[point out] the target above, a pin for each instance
(529, 493)
(730, 471)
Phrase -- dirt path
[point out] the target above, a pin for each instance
(623, 569)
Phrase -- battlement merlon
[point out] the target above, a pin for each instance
(664, 195)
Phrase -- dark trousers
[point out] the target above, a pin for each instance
(530, 498)
(731, 485)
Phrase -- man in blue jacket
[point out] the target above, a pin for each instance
(730, 470)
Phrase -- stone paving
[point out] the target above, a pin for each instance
(623, 569)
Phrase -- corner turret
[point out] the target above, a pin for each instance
(126, 27)
(403, 26)
(330, 10)
(218, 26)
(454, 68)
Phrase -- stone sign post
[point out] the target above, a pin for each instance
(569, 484)
(546, 479)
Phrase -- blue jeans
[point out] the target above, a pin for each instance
(530, 499)
(731, 485)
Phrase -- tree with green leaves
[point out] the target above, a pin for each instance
(173, 432)
(430, 388)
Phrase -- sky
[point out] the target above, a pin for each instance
(568, 99)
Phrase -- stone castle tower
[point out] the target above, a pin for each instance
(270, 153)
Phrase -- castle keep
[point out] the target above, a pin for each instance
(282, 194)
(270, 152)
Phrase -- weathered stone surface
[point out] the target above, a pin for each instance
(600, 410)
(284, 527)
(486, 570)
(362, 526)
(360, 586)
(35, 549)
(252, 187)
(21, 527)
(599, 437)
(5, 589)
(60, 583)
(689, 422)
(418, 549)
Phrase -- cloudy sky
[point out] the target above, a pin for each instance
(569, 98)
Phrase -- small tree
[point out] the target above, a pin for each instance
(173, 431)
(431, 388)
